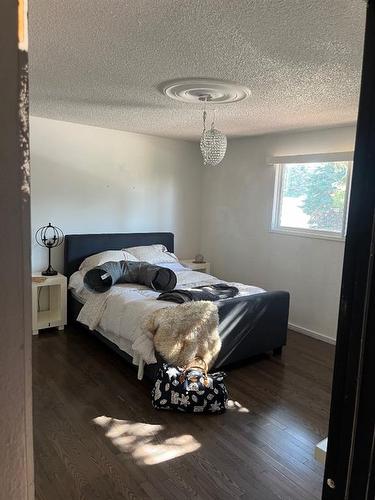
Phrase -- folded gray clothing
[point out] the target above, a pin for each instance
(101, 278)
(217, 291)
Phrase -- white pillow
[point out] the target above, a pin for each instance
(108, 256)
(154, 254)
(173, 266)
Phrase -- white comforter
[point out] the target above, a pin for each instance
(119, 313)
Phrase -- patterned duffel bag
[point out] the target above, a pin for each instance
(190, 389)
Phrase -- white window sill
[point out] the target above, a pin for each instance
(308, 234)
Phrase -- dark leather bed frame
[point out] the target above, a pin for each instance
(248, 325)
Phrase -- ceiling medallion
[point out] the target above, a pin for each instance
(213, 143)
(192, 90)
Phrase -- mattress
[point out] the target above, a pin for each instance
(119, 313)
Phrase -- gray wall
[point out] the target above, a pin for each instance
(237, 207)
(88, 179)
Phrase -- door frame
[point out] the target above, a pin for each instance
(16, 443)
(349, 469)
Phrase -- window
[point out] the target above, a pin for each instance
(311, 195)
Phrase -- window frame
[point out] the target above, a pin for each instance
(279, 165)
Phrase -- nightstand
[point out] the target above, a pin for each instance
(48, 301)
(203, 267)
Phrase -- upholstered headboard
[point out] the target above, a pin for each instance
(79, 246)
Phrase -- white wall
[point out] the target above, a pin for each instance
(237, 207)
(89, 179)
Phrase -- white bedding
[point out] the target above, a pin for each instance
(118, 314)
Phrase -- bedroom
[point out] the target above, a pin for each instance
(118, 165)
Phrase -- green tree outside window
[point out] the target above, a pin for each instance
(321, 188)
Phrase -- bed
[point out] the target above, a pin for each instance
(248, 325)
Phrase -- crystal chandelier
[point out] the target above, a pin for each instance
(213, 144)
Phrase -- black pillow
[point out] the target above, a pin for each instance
(101, 278)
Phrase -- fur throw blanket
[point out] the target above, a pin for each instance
(185, 332)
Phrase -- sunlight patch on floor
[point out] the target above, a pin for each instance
(236, 406)
(141, 440)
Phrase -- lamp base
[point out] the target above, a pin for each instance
(49, 271)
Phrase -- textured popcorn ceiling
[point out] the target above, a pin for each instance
(100, 62)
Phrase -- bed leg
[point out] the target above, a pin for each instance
(141, 367)
(278, 351)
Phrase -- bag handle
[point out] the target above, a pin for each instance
(193, 364)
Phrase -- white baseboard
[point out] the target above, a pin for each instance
(311, 333)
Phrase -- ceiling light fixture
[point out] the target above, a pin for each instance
(213, 143)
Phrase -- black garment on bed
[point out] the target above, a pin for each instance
(101, 278)
(217, 291)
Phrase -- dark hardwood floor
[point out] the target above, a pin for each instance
(97, 436)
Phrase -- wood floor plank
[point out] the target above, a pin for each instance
(97, 436)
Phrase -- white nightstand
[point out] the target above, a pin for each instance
(197, 266)
(49, 302)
